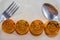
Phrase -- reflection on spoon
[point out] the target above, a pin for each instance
(50, 12)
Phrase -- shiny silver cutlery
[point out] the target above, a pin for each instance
(50, 12)
(9, 11)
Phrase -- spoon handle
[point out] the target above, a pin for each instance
(56, 18)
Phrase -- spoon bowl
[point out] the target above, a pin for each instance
(49, 11)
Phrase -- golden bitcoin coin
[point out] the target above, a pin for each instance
(8, 26)
(51, 28)
(36, 27)
(22, 27)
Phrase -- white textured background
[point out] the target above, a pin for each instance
(29, 10)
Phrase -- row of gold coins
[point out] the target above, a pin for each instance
(51, 27)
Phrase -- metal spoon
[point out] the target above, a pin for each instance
(50, 12)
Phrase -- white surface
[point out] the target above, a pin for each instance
(29, 10)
